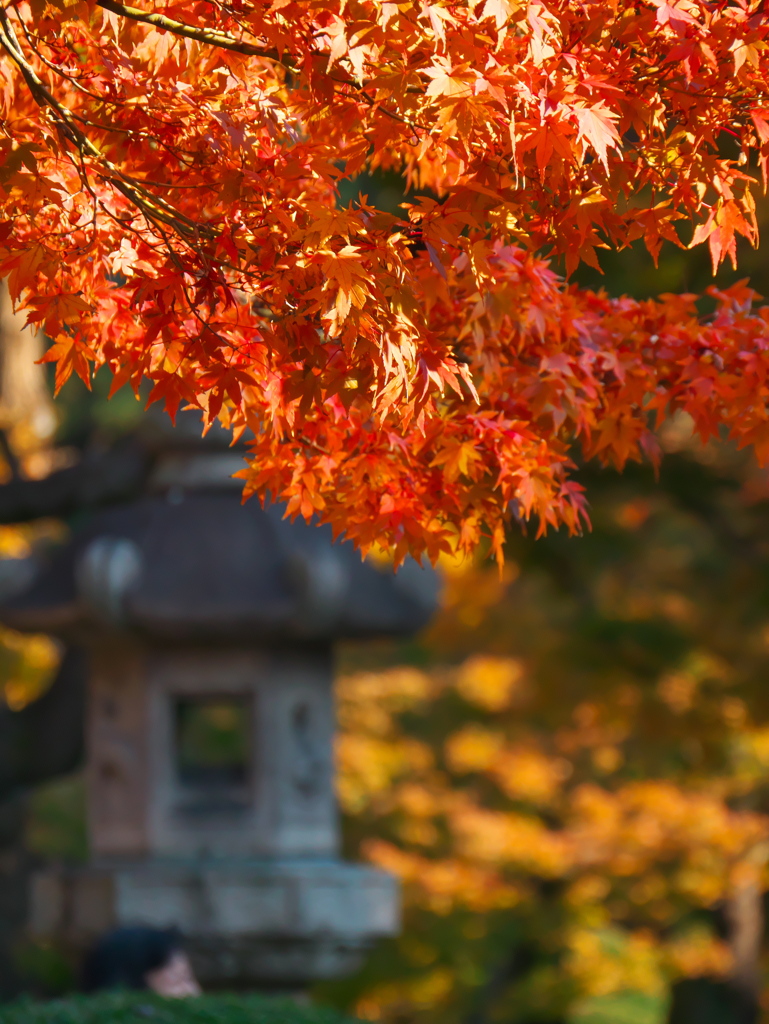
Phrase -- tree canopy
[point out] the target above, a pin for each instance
(170, 208)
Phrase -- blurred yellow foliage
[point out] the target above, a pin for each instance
(697, 952)
(27, 662)
(528, 774)
(430, 989)
(14, 542)
(31, 661)
(474, 749)
(608, 960)
(490, 683)
(443, 884)
(477, 820)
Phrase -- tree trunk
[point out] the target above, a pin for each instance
(746, 925)
(27, 416)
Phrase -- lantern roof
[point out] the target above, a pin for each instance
(192, 565)
(167, 551)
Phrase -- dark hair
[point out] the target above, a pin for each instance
(122, 958)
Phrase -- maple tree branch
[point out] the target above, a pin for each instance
(57, 70)
(203, 35)
(224, 41)
(152, 206)
(77, 84)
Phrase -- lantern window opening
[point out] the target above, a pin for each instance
(212, 744)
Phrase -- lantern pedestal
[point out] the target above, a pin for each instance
(280, 924)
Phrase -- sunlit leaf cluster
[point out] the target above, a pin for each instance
(169, 207)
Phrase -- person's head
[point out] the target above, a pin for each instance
(140, 958)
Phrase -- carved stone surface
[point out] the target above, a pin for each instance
(283, 806)
(118, 743)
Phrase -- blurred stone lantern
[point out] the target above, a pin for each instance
(209, 627)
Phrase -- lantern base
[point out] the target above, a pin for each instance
(279, 924)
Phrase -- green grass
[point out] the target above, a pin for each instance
(146, 1008)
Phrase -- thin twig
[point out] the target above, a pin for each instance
(213, 37)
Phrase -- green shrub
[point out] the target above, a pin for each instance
(146, 1008)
